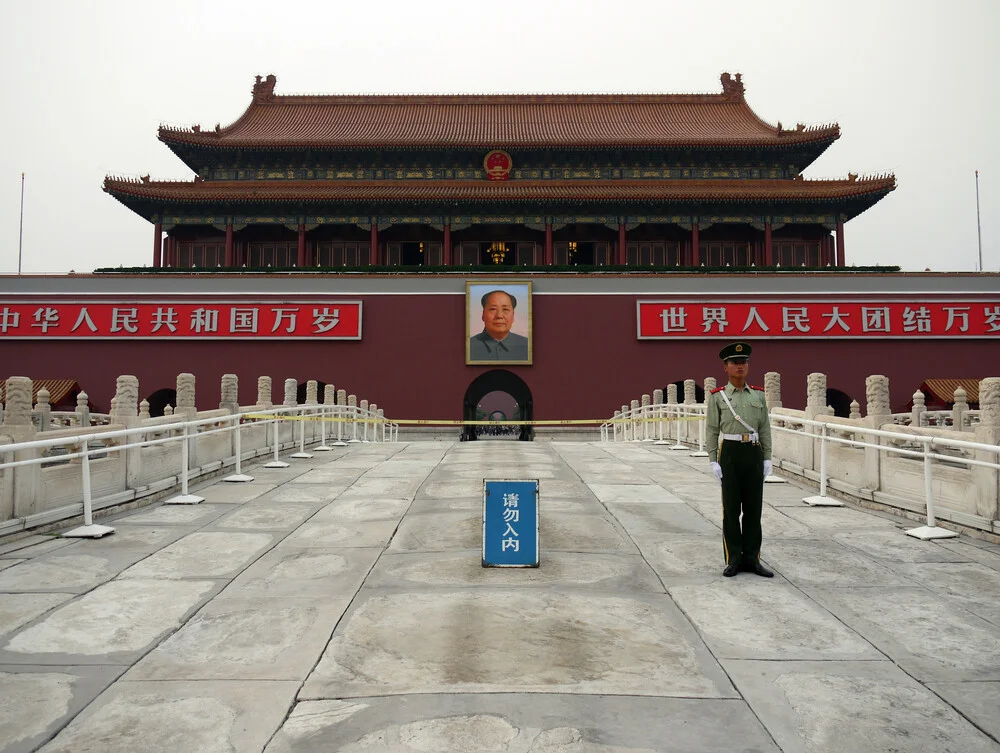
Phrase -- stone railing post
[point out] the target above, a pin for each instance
(125, 411)
(987, 480)
(312, 390)
(634, 406)
(375, 428)
(690, 395)
(291, 390)
(958, 410)
(855, 411)
(772, 389)
(83, 409)
(878, 413)
(43, 410)
(264, 392)
(230, 393)
(709, 385)
(329, 395)
(19, 487)
(185, 397)
(352, 403)
(815, 395)
(644, 402)
(143, 410)
(918, 414)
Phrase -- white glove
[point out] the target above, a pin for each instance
(717, 470)
(767, 468)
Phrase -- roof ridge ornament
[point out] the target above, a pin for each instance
(732, 86)
(263, 90)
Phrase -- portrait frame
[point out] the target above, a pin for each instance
(481, 351)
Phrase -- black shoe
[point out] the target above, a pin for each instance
(758, 569)
(731, 569)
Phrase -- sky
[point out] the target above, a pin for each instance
(912, 83)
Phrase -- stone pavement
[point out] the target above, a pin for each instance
(340, 605)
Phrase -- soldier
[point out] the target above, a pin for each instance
(737, 413)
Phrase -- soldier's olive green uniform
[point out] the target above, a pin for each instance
(742, 467)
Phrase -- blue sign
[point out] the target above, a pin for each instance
(510, 523)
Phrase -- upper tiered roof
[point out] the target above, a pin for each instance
(508, 121)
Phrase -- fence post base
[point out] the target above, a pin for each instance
(184, 499)
(772, 479)
(238, 478)
(819, 501)
(701, 454)
(927, 533)
(92, 531)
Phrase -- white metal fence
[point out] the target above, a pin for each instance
(76, 471)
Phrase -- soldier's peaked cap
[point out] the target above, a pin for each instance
(735, 350)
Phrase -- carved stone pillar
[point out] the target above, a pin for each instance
(958, 409)
(186, 395)
(291, 388)
(312, 391)
(987, 480)
(83, 409)
(671, 394)
(19, 487)
(126, 403)
(772, 389)
(230, 393)
(690, 394)
(264, 392)
(329, 395)
(918, 415)
(43, 410)
(709, 385)
(815, 395)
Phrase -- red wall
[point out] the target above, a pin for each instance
(587, 360)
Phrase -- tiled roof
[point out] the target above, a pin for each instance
(498, 191)
(503, 121)
(944, 389)
(60, 390)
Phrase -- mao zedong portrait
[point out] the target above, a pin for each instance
(497, 342)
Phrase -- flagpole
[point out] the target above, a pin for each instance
(20, 230)
(979, 227)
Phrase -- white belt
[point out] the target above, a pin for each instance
(752, 437)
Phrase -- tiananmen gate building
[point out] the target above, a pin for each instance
(357, 240)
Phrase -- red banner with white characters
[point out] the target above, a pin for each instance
(818, 319)
(187, 320)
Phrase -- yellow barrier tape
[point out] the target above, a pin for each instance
(452, 422)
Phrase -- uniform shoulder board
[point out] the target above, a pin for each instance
(717, 389)
(755, 387)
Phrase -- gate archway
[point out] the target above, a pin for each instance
(498, 380)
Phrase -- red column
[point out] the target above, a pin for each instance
(171, 252)
(622, 255)
(229, 245)
(840, 244)
(548, 244)
(447, 244)
(157, 243)
(301, 256)
(768, 248)
(374, 258)
(695, 250)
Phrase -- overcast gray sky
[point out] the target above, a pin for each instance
(912, 83)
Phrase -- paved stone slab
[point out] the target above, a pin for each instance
(5, 563)
(639, 518)
(304, 573)
(749, 617)
(509, 641)
(68, 573)
(268, 516)
(809, 707)
(523, 723)
(637, 493)
(311, 493)
(114, 623)
(397, 468)
(971, 585)
(331, 475)
(185, 515)
(33, 546)
(47, 698)
(832, 520)
(971, 550)
(977, 701)
(935, 645)
(362, 508)
(812, 562)
(168, 717)
(684, 557)
(134, 536)
(203, 554)
(247, 638)
(228, 493)
(439, 532)
(775, 523)
(896, 547)
(342, 532)
(616, 572)
(17, 609)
